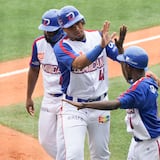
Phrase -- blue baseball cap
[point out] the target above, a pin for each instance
(49, 21)
(68, 16)
(134, 56)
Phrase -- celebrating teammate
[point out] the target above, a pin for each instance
(82, 58)
(43, 55)
(140, 102)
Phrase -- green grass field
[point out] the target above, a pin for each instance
(19, 27)
(17, 118)
(20, 19)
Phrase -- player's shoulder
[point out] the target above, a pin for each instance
(39, 38)
(138, 82)
(61, 42)
(92, 33)
(144, 82)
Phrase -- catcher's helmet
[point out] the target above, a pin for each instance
(134, 56)
(49, 21)
(68, 16)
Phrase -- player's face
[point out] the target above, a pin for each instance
(126, 71)
(76, 32)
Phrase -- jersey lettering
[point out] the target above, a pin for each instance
(92, 67)
(101, 74)
(153, 89)
(53, 69)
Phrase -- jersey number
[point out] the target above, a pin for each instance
(101, 75)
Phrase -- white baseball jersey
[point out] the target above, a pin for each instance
(42, 53)
(93, 79)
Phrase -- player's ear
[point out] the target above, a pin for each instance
(123, 67)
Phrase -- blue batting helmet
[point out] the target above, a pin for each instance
(134, 56)
(68, 16)
(49, 21)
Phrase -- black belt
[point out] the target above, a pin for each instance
(86, 100)
(137, 139)
(56, 95)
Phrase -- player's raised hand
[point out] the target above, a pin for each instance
(119, 42)
(76, 104)
(106, 37)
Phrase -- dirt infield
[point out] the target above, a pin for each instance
(18, 146)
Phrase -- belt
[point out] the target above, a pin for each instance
(86, 100)
(56, 95)
(137, 139)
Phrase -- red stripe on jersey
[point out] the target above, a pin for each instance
(66, 51)
(134, 86)
(158, 147)
(130, 121)
(35, 41)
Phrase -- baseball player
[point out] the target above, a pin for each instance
(43, 55)
(81, 55)
(140, 102)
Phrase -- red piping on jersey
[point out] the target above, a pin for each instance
(62, 122)
(39, 38)
(66, 51)
(158, 147)
(130, 121)
(133, 87)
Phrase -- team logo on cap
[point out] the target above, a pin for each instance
(46, 22)
(129, 60)
(70, 16)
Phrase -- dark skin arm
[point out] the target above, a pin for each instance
(101, 105)
(33, 74)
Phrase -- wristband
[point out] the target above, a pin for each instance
(94, 53)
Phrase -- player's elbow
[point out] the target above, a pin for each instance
(80, 64)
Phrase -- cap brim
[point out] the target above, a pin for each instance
(121, 58)
(47, 28)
